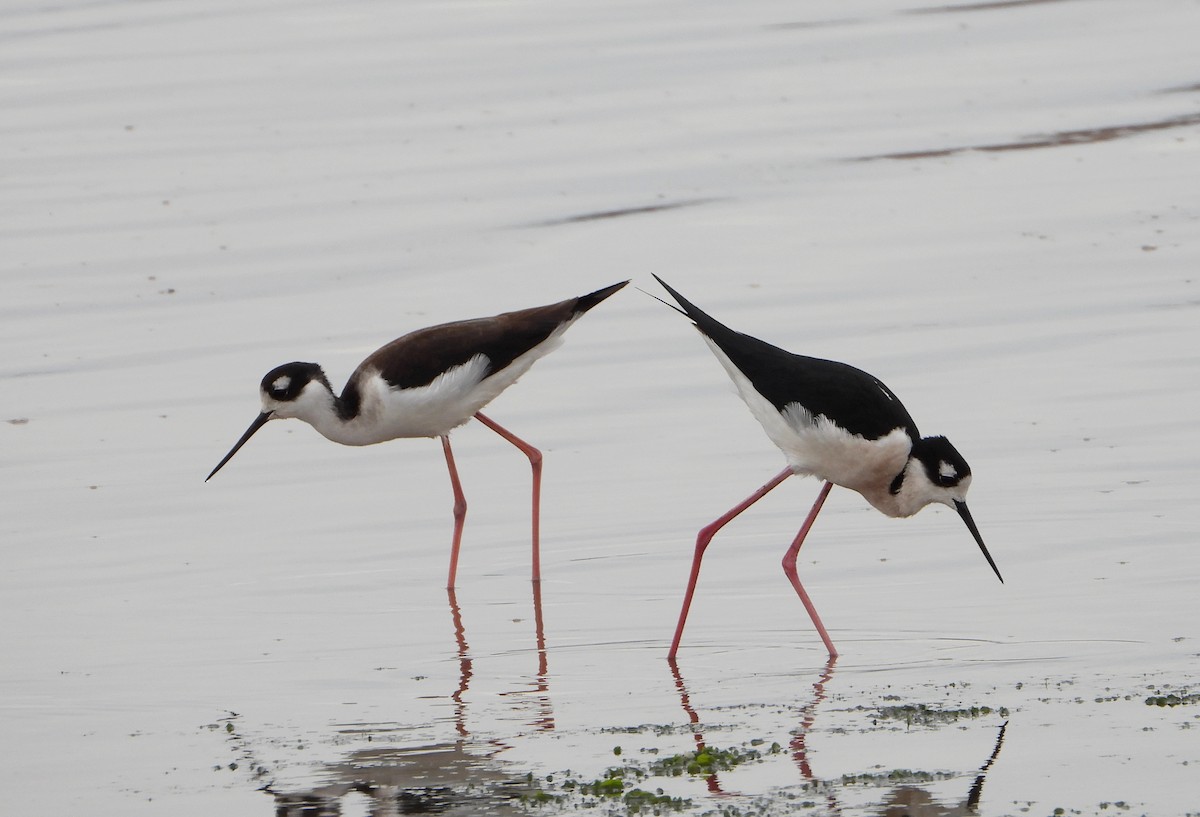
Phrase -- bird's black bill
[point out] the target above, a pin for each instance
(961, 507)
(258, 423)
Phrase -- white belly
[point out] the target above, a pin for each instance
(432, 410)
(815, 446)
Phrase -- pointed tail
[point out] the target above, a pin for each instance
(586, 302)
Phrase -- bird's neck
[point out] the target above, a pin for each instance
(318, 406)
(914, 493)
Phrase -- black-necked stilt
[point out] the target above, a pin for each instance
(424, 385)
(834, 422)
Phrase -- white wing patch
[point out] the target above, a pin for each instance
(815, 446)
(450, 400)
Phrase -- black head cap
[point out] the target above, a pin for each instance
(943, 464)
(284, 383)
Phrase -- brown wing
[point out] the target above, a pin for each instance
(417, 358)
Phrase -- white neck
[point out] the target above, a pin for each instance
(916, 491)
(316, 406)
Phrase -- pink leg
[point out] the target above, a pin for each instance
(535, 462)
(704, 537)
(789, 568)
(460, 511)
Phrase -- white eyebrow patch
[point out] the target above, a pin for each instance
(281, 383)
(947, 470)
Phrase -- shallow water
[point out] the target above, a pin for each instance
(194, 194)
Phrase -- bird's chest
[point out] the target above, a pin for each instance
(819, 447)
(427, 411)
(389, 413)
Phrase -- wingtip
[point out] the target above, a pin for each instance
(586, 302)
(685, 307)
(667, 287)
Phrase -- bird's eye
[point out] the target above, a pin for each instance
(280, 385)
(947, 473)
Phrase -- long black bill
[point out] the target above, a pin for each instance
(258, 423)
(961, 507)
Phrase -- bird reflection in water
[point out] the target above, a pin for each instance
(808, 715)
(538, 687)
(445, 778)
(798, 744)
(458, 777)
(902, 801)
(913, 801)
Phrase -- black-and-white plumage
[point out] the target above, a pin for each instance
(838, 423)
(425, 384)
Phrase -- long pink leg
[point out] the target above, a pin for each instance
(789, 567)
(460, 511)
(535, 462)
(704, 537)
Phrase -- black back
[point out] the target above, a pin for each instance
(853, 399)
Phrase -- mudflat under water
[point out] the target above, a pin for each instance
(990, 206)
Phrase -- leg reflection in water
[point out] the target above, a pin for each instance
(799, 753)
(538, 686)
(900, 801)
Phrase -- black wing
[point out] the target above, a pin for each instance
(855, 400)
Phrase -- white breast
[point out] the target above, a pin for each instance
(815, 446)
